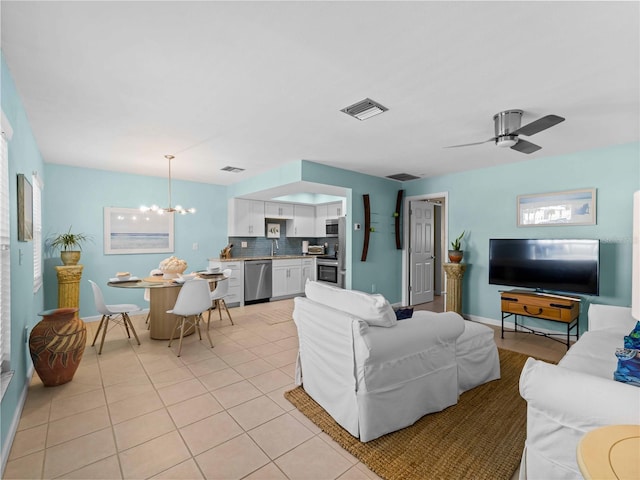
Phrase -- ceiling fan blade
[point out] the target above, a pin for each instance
(538, 125)
(526, 147)
(469, 144)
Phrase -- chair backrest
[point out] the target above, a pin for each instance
(222, 286)
(194, 298)
(99, 299)
(147, 291)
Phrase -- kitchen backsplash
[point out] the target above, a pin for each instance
(261, 246)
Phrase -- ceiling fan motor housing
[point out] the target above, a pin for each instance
(507, 122)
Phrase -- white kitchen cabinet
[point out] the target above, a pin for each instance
(325, 212)
(278, 210)
(235, 295)
(335, 210)
(286, 277)
(246, 218)
(303, 223)
(308, 271)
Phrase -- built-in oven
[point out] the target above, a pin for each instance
(331, 227)
(327, 270)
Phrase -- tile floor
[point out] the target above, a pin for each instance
(142, 412)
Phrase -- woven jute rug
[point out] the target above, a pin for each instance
(481, 437)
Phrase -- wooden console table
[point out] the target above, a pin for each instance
(455, 272)
(69, 285)
(556, 308)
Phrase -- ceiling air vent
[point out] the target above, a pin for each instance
(364, 109)
(232, 169)
(402, 177)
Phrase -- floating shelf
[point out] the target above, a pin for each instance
(367, 226)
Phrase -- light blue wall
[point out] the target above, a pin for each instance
(25, 158)
(483, 202)
(382, 270)
(76, 197)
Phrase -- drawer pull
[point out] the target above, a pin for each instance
(509, 299)
(557, 305)
(537, 313)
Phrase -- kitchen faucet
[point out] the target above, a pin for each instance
(274, 247)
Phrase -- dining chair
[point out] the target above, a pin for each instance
(217, 296)
(193, 299)
(147, 296)
(119, 312)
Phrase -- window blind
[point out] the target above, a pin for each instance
(37, 232)
(5, 259)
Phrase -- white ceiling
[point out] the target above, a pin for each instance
(117, 85)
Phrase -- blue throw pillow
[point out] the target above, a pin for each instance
(628, 370)
(406, 312)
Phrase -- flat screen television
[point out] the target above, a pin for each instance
(571, 266)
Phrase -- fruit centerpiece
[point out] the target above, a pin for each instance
(172, 267)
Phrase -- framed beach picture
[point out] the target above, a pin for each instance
(573, 207)
(25, 209)
(128, 230)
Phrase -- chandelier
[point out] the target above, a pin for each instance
(170, 209)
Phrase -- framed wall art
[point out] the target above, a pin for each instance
(25, 209)
(573, 207)
(128, 230)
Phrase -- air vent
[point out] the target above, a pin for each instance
(232, 169)
(402, 177)
(364, 109)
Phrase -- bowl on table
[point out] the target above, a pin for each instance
(188, 276)
(123, 276)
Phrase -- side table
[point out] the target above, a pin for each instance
(69, 285)
(610, 452)
(455, 272)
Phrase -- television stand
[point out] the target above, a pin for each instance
(556, 308)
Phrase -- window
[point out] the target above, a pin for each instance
(5, 259)
(37, 232)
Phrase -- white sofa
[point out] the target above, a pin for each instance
(374, 374)
(567, 400)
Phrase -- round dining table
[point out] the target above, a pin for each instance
(163, 294)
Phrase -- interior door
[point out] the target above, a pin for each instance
(421, 253)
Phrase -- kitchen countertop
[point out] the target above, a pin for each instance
(266, 257)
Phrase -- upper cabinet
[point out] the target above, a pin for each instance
(278, 210)
(303, 223)
(246, 218)
(325, 212)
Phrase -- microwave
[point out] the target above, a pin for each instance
(331, 228)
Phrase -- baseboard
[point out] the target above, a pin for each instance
(13, 428)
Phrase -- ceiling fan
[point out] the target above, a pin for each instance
(507, 128)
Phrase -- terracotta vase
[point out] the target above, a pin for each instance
(56, 344)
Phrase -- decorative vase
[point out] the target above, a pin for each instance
(70, 257)
(455, 256)
(56, 344)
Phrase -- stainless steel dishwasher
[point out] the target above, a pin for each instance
(257, 281)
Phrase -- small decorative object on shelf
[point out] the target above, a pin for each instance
(456, 254)
(56, 344)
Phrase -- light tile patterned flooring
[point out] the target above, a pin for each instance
(142, 412)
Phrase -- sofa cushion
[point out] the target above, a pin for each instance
(372, 308)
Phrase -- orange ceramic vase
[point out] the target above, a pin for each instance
(56, 344)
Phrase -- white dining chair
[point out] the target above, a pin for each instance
(193, 299)
(218, 295)
(117, 313)
(147, 296)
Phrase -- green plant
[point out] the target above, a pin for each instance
(455, 245)
(69, 241)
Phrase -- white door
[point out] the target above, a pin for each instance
(421, 253)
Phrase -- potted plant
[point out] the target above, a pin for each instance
(455, 254)
(70, 245)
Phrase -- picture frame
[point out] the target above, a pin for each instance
(273, 230)
(567, 208)
(131, 231)
(25, 209)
